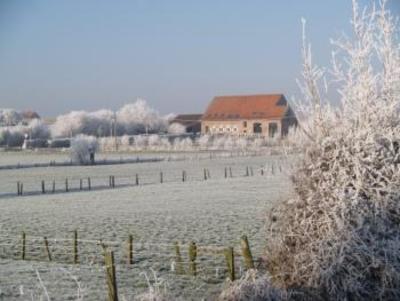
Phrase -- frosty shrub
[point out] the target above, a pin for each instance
(176, 129)
(340, 235)
(9, 117)
(81, 146)
(38, 130)
(204, 141)
(253, 286)
(12, 136)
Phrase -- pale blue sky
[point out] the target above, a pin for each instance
(57, 56)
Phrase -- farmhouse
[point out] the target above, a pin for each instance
(264, 115)
(191, 122)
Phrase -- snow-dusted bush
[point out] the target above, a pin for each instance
(12, 136)
(182, 144)
(126, 141)
(340, 234)
(176, 129)
(253, 286)
(141, 141)
(9, 117)
(204, 141)
(38, 130)
(81, 148)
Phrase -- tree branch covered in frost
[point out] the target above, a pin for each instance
(340, 234)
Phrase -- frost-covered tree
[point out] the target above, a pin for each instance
(98, 123)
(81, 148)
(139, 117)
(9, 117)
(339, 236)
(12, 136)
(38, 129)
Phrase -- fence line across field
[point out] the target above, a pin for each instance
(87, 183)
(195, 253)
(192, 264)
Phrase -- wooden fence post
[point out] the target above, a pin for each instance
(178, 260)
(80, 184)
(23, 246)
(230, 262)
(43, 187)
(89, 183)
(226, 172)
(247, 171)
(18, 188)
(46, 244)
(110, 276)
(66, 185)
(183, 176)
(53, 190)
(137, 180)
(246, 252)
(230, 172)
(205, 174)
(262, 171)
(113, 181)
(109, 181)
(130, 249)
(192, 258)
(272, 169)
(75, 247)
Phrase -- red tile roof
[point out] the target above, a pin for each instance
(267, 106)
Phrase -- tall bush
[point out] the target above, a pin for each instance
(339, 236)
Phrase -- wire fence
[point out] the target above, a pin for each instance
(100, 182)
(83, 263)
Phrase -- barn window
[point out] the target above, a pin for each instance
(257, 128)
(272, 129)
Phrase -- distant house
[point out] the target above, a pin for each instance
(191, 122)
(264, 115)
(28, 116)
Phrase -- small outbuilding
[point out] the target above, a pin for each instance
(191, 122)
(264, 115)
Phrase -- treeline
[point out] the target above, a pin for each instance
(131, 119)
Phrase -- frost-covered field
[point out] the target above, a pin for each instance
(148, 173)
(215, 212)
